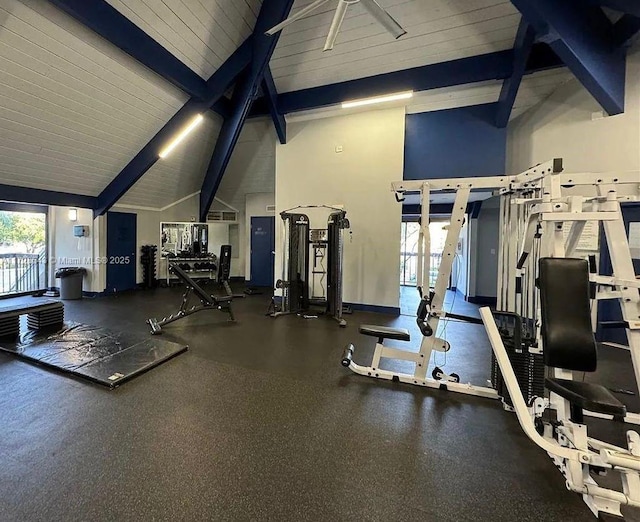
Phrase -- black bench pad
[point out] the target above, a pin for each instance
(385, 332)
(587, 396)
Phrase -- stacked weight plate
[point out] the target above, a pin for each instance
(9, 327)
(46, 318)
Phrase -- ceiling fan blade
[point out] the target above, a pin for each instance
(300, 14)
(384, 19)
(338, 18)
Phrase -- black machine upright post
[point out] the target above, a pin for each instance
(297, 243)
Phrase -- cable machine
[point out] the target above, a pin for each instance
(312, 265)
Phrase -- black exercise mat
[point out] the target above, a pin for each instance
(95, 353)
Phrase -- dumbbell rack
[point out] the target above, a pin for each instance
(148, 261)
(193, 266)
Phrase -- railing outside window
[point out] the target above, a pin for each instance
(21, 273)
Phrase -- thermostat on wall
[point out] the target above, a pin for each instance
(80, 231)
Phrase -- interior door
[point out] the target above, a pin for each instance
(262, 250)
(121, 251)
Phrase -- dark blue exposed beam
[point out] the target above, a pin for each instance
(626, 30)
(45, 197)
(271, 13)
(624, 6)
(582, 36)
(521, 51)
(105, 20)
(492, 66)
(219, 82)
(271, 95)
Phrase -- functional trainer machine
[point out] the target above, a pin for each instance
(312, 265)
(207, 302)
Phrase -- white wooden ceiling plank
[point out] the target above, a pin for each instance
(377, 46)
(20, 35)
(38, 148)
(55, 143)
(81, 140)
(170, 23)
(46, 111)
(33, 81)
(26, 158)
(441, 52)
(215, 41)
(154, 33)
(86, 114)
(218, 33)
(9, 177)
(32, 26)
(239, 12)
(49, 176)
(409, 14)
(365, 36)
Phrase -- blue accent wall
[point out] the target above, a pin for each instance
(454, 143)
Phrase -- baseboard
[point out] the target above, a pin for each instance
(483, 300)
(237, 279)
(387, 310)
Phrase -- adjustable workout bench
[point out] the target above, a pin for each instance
(207, 302)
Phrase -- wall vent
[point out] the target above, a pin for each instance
(222, 216)
(271, 208)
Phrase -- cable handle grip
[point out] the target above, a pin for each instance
(347, 355)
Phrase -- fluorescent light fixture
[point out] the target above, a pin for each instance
(73, 214)
(183, 134)
(379, 99)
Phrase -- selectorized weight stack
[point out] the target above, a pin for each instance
(305, 285)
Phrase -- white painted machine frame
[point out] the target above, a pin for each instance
(521, 188)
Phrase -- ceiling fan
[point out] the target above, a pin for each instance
(372, 7)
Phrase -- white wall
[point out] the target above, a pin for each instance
(310, 172)
(562, 127)
(66, 250)
(486, 249)
(255, 206)
(251, 171)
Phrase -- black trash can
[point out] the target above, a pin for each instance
(71, 282)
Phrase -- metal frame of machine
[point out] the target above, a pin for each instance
(295, 281)
(517, 189)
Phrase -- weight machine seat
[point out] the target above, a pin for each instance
(587, 396)
(385, 332)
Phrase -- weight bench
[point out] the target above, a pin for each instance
(207, 302)
(40, 315)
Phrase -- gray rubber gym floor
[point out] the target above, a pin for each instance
(258, 421)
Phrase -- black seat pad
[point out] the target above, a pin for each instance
(384, 332)
(587, 396)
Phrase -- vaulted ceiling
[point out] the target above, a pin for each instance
(75, 109)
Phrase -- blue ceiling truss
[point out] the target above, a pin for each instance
(521, 52)
(245, 92)
(582, 36)
(271, 96)
(46, 197)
